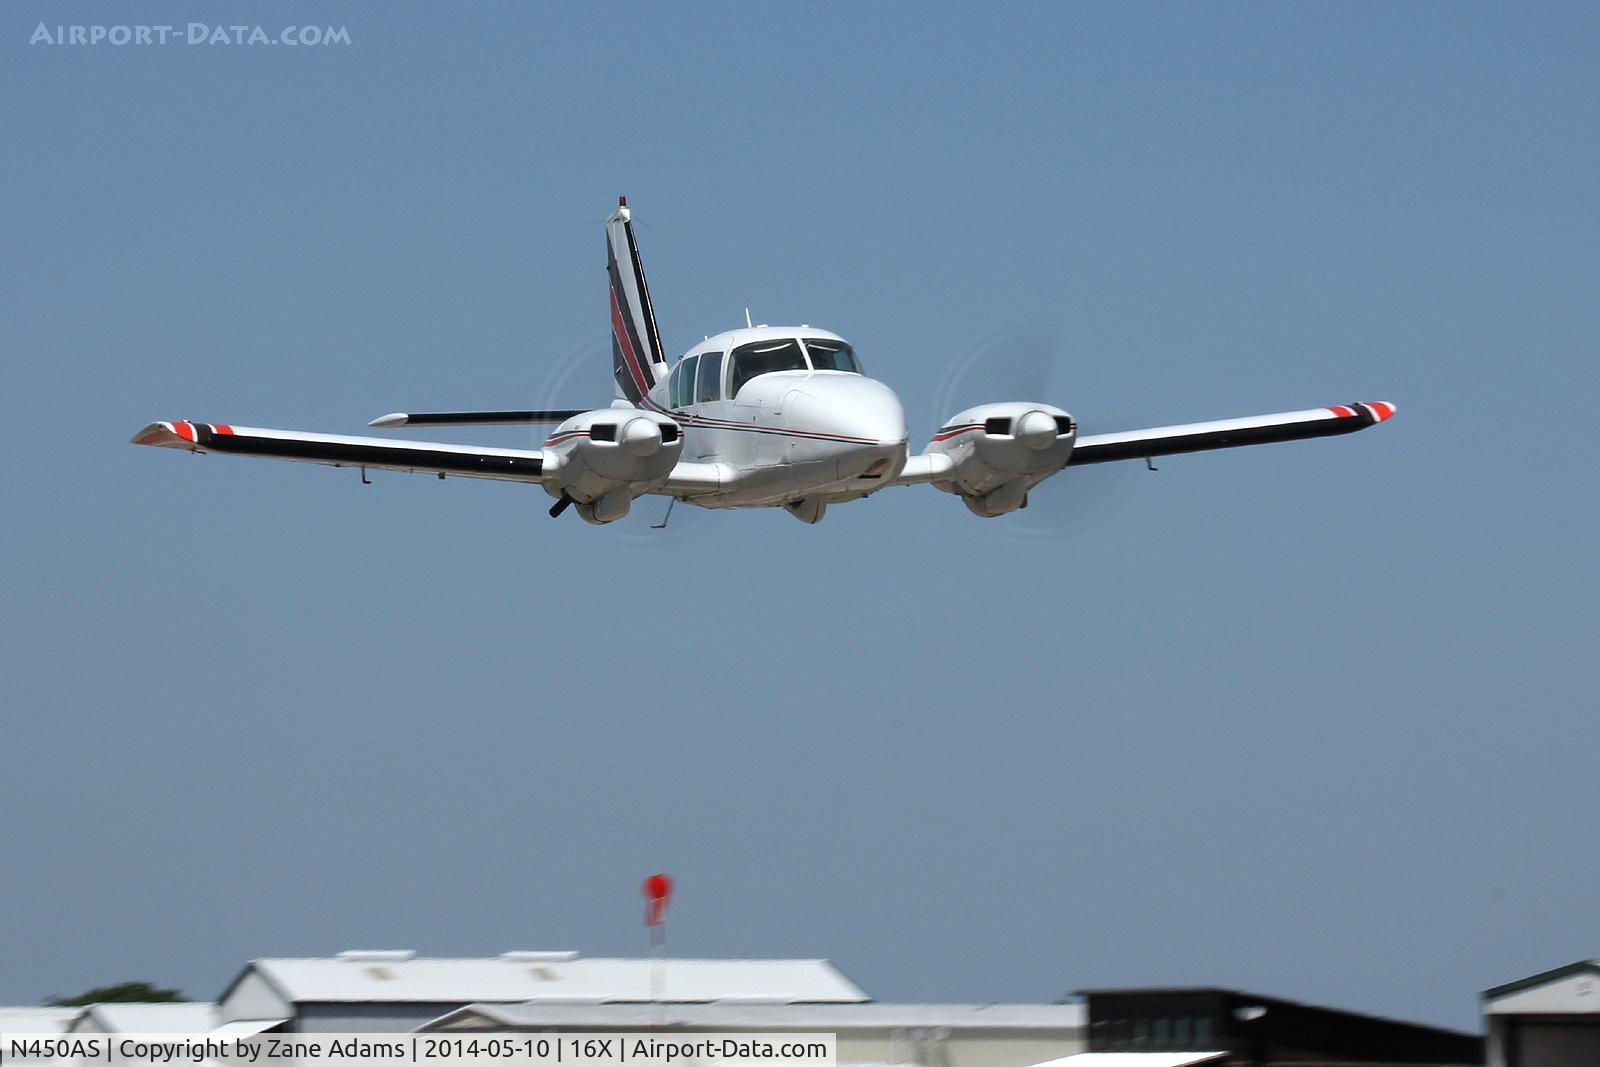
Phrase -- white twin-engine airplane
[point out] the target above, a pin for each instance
(759, 417)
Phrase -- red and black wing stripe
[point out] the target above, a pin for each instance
(1228, 433)
(410, 456)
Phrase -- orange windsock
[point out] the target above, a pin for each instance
(657, 892)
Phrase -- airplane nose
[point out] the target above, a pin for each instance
(882, 417)
(856, 407)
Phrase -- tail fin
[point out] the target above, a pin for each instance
(637, 359)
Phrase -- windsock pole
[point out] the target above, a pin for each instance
(657, 893)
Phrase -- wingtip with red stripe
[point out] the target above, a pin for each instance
(179, 433)
(1371, 412)
(165, 435)
(1381, 409)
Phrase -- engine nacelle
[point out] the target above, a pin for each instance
(1000, 451)
(605, 458)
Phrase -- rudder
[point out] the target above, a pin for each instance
(637, 359)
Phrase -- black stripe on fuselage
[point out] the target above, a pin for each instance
(702, 422)
(1204, 442)
(349, 455)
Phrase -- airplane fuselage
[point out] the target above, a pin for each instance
(784, 435)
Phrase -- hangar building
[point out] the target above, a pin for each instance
(1548, 1020)
(1257, 1031)
(180, 1017)
(37, 1020)
(363, 992)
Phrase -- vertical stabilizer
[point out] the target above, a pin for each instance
(637, 360)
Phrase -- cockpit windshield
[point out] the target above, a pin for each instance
(828, 353)
(764, 357)
(787, 353)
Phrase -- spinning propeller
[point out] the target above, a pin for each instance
(1024, 362)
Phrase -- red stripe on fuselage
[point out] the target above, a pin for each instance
(560, 437)
(686, 419)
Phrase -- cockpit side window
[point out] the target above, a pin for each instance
(829, 354)
(710, 378)
(683, 382)
(764, 357)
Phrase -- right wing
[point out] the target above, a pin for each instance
(426, 457)
(1227, 433)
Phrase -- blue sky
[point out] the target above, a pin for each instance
(1315, 719)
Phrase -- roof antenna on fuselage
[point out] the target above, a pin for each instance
(747, 321)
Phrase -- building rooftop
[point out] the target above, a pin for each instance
(1240, 994)
(766, 1017)
(123, 1018)
(1570, 990)
(1571, 970)
(37, 1020)
(517, 977)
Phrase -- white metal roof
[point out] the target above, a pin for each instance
(37, 1020)
(519, 977)
(177, 1018)
(770, 1017)
(1573, 989)
(246, 1027)
(1133, 1059)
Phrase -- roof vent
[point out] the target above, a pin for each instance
(378, 956)
(525, 956)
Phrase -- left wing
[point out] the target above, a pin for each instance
(425, 457)
(1228, 433)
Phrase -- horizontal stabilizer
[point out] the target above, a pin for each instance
(472, 418)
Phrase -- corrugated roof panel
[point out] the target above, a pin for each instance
(518, 979)
(178, 1018)
(37, 1020)
(755, 1017)
(246, 1027)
